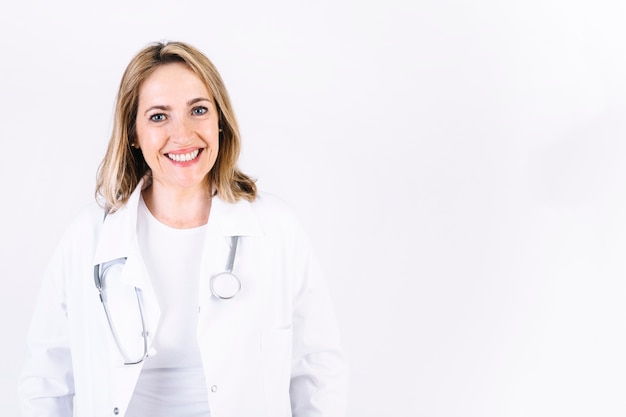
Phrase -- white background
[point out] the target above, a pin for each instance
(458, 164)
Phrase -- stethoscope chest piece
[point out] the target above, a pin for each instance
(226, 285)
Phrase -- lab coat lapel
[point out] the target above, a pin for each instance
(226, 220)
(118, 239)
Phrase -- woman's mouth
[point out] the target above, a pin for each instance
(183, 157)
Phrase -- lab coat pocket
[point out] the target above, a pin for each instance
(276, 347)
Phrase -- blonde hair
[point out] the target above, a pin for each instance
(123, 166)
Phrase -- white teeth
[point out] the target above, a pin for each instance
(185, 157)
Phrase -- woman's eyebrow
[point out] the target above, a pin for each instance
(157, 107)
(166, 108)
(196, 100)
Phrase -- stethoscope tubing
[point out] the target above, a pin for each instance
(100, 271)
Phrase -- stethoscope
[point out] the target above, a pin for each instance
(224, 286)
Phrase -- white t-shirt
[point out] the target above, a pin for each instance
(172, 382)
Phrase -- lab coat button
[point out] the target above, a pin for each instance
(213, 388)
(116, 411)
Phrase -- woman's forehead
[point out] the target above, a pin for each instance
(172, 83)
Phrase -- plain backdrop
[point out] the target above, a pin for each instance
(458, 164)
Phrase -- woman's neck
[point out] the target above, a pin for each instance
(178, 208)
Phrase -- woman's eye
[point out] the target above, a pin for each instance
(198, 111)
(159, 117)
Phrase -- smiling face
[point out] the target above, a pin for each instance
(177, 127)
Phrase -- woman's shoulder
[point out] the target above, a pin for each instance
(88, 217)
(80, 233)
(275, 212)
(270, 200)
(273, 205)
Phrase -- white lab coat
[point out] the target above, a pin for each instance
(273, 350)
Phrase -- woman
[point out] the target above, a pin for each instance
(184, 292)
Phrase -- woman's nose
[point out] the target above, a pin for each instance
(181, 131)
